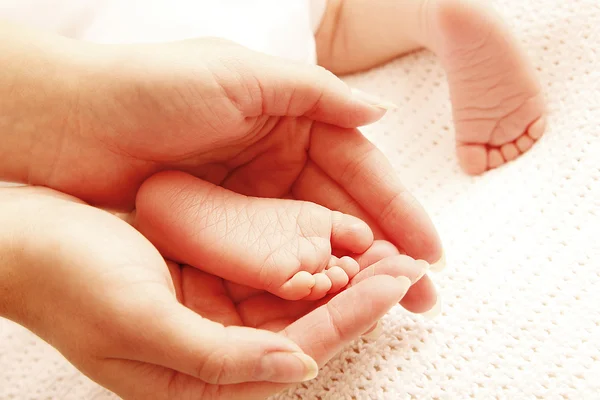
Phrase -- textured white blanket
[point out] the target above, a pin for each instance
(521, 314)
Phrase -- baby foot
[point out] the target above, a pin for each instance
(282, 246)
(498, 108)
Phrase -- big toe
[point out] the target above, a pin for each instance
(472, 158)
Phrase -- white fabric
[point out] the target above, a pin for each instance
(521, 315)
(282, 28)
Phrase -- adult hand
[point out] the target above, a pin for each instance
(104, 118)
(124, 321)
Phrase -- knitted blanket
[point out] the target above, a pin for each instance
(521, 314)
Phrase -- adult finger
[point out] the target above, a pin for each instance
(279, 87)
(314, 185)
(205, 294)
(364, 173)
(422, 295)
(337, 323)
(379, 250)
(347, 316)
(395, 266)
(171, 335)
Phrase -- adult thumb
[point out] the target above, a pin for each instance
(177, 338)
(278, 87)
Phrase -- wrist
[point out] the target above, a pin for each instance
(38, 98)
(27, 248)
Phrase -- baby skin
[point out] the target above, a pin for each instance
(281, 246)
(498, 109)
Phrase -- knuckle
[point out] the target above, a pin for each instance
(356, 166)
(217, 368)
(220, 364)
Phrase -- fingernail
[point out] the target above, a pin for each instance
(374, 332)
(424, 265)
(440, 264)
(435, 310)
(404, 281)
(286, 367)
(373, 100)
(310, 366)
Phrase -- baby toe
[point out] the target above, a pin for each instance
(338, 277)
(510, 151)
(333, 262)
(321, 288)
(297, 287)
(536, 130)
(349, 265)
(472, 158)
(495, 158)
(524, 143)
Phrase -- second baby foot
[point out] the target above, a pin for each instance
(282, 246)
(497, 102)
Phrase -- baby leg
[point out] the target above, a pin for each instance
(282, 246)
(497, 104)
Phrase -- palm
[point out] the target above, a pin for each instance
(271, 166)
(129, 292)
(235, 305)
(229, 304)
(232, 304)
(116, 315)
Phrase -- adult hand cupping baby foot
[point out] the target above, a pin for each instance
(334, 321)
(98, 291)
(105, 118)
(102, 119)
